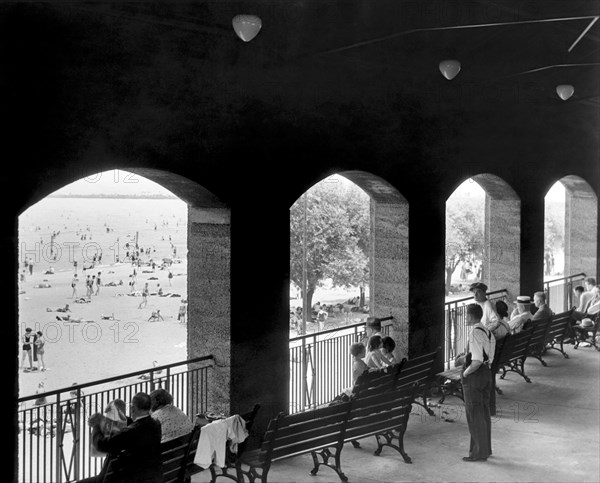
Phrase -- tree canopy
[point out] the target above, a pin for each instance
(337, 235)
(464, 234)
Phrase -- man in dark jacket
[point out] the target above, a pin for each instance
(543, 311)
(137, 446)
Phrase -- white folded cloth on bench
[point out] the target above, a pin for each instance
(213, 440)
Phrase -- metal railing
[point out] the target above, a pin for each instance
(455, 332)
(54, 437)
(559, 292)
(321, 365)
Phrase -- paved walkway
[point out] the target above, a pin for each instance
(546, 431)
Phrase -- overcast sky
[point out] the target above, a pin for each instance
(114, 182)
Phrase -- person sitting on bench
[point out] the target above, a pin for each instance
(138, 445)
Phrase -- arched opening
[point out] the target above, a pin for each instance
(570, 239)
(554, 232)
(351, 228)
(130, 228)
(581, 226)
(483, 231)
(101, 260)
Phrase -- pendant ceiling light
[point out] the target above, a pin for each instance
(565, 91)
(246, 26)
(449, 68)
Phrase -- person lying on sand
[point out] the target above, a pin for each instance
(108, 317)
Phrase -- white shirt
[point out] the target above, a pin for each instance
(481, 339)
(489, 313)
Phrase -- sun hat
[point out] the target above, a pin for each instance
(523, 299)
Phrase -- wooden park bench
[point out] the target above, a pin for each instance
(177, 459)
(557, 330)
(537, 343)
(379, 406)
(314, 431)
(228, 471)
(588, 334)
(512, 354)
(420, 372)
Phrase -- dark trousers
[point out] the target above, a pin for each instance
(493, 396)
(477, 390)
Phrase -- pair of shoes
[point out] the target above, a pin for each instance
(472, 458)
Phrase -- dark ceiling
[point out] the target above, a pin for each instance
(143, 83)
(508, 49)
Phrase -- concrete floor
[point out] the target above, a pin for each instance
(546, 431)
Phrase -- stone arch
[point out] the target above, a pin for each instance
(502, 234)
(388, 257)
(208, 274)
(581, 226)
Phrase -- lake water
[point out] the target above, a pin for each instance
(90, 226)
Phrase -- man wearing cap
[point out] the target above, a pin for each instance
(520, 314)
(477, 384)
(490, 321)
(373, 327)
(490, 318)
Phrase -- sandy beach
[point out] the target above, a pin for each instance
(91, 345)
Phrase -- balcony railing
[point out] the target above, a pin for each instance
(321, 365)
(559, 292)
(54, 437)
(455, 333)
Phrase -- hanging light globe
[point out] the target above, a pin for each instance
(449, 68)
(246, 27)
(565, 91)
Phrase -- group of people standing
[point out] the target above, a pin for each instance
(489, 323)
(33, 350)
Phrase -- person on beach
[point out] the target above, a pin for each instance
(74, 286)
(182, 311)
(98, 283)
(170, 278)
(144, 301)
(39, 345)
(27, 342)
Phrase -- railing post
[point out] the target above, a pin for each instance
(303, 381)
(454, 332)
(77, 430)
(569, 294)
(59, 438)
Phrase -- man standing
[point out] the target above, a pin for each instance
(490, 317)
(138, 446)
(477, 384)
(491, 321)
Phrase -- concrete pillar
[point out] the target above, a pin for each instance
(581, 228)
(209, 305)
(389, 268)
(502, 245)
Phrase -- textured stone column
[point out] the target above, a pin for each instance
(209, 305)
(581, 218)
(502, 245)
(389, 268)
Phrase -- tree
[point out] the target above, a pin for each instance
(337, 236)
(464, 235)
(554, 234)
